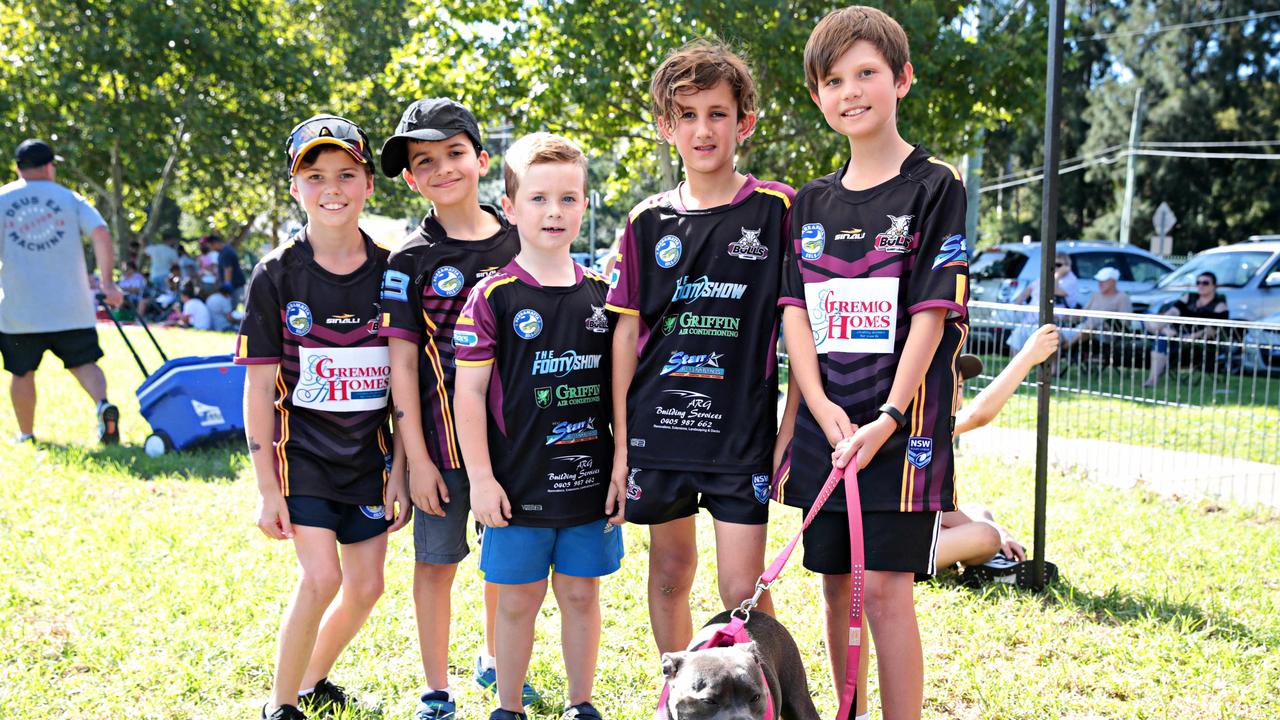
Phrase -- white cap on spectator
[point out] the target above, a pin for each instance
(1107, 273)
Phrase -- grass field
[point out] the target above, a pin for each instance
(140, 588)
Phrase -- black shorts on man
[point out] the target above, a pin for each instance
(23, 352)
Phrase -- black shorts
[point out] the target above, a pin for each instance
(892, 542)
(658, 496)
(351, 523)
(23, 352)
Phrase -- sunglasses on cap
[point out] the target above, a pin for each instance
(1204, 282)
(327, 130)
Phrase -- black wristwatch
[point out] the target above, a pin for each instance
(898, 418)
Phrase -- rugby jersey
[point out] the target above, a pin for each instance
(862, 263)
(548, 395)
(705, 286)
(333, 384)
(427, 282)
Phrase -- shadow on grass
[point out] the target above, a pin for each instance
(1115, 607)
(220, 462)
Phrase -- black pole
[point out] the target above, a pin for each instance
(1048, 243)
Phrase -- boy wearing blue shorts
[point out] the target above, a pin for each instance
(531, 400)
(316, 409)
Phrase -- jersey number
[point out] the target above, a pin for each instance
(395, 286)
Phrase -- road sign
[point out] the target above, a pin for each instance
(1164, 219)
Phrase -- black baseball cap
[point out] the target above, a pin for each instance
(429, 119)
(33, 153)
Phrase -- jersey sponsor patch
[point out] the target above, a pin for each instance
(748, 247)
(896, 239)
(952, 254)
(688, 323)
(395, 286)
(633, 490)
(687, 411)
(527, 324)
(813, 240)
(919, 450)
(546, 362)
(566, 395)
(853, 315)
(297, 317)
(464, 338)
(668, 251)
(760, 485)
(343, 379)
(567, 432)
(447, 281)
(575, 472)
(850, 234)
(614, 277)
(689, 291)
(705, 366)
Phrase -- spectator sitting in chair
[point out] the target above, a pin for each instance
(221, 310)
(1108, 298)
(1206, 303)
(1066, 293)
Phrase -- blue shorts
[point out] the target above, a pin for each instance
(516, 555)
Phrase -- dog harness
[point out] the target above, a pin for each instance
(735, 631)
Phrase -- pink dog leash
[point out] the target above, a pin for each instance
(735, 631)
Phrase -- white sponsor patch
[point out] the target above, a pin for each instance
(343, 379)
(853, 315)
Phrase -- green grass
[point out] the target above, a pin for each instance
(140, 588)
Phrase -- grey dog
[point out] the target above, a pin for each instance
(731, 683)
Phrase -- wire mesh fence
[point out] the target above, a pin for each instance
(1183, 405)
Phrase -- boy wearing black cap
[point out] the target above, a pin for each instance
(438, 151)
(317, 385)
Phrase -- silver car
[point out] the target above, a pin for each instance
(1248, 276)
(999, 273)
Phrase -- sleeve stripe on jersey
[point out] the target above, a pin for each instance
(954, 172)
(282, 460)
(955, 406)
(382, 446)
(451, 445)
(488, 290)
(786, 201)
(474, 363)
(620, 310)
(909, 470)
(645, 205)
(961, 285)
(427, 319)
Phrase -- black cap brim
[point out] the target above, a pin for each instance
(394, 156)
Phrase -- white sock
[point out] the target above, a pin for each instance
(487, 662)
(308, 691)
(448, 693)
(864, 716)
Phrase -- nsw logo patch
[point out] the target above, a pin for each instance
(919, 450)
(760, 485)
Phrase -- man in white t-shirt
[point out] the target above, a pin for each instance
(164, 255)
(220, 310)
(195, 314)
(45, 302)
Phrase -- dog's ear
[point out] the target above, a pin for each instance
(754, 649)
(672, 662)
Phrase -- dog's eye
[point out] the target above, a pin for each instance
(709, 701)
(755, 698)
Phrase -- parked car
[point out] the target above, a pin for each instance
(999, 273)
(1262, 347)
(1248, 275)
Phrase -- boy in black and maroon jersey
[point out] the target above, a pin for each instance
(318, 386)
(695, 377)
(877, 288)
(438, 152)
(532, 407)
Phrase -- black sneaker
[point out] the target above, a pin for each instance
(581, 711)
(326, 695)
(501, 714)
(284, 712)
(1000, 569)
(109, 424)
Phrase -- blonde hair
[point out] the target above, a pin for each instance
(701, 65)
(540, 148)
(842, 29)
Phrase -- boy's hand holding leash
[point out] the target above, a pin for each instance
(834, 421)
(427, 488)
(489, 503)
(865, 442)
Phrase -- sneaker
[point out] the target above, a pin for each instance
(325, 695)
(1000, 569)
(284, 712)
(23, 438)
(487, 679)
(435, 705)
(501, 714)
(109, 427)
(581, 711)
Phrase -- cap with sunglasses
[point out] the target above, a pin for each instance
(327, 130)
(1203, 281)
(430, 119)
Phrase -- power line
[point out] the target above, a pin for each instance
(1145, 146)
(1179, 26)
(1125, 153)
(1224, 143)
